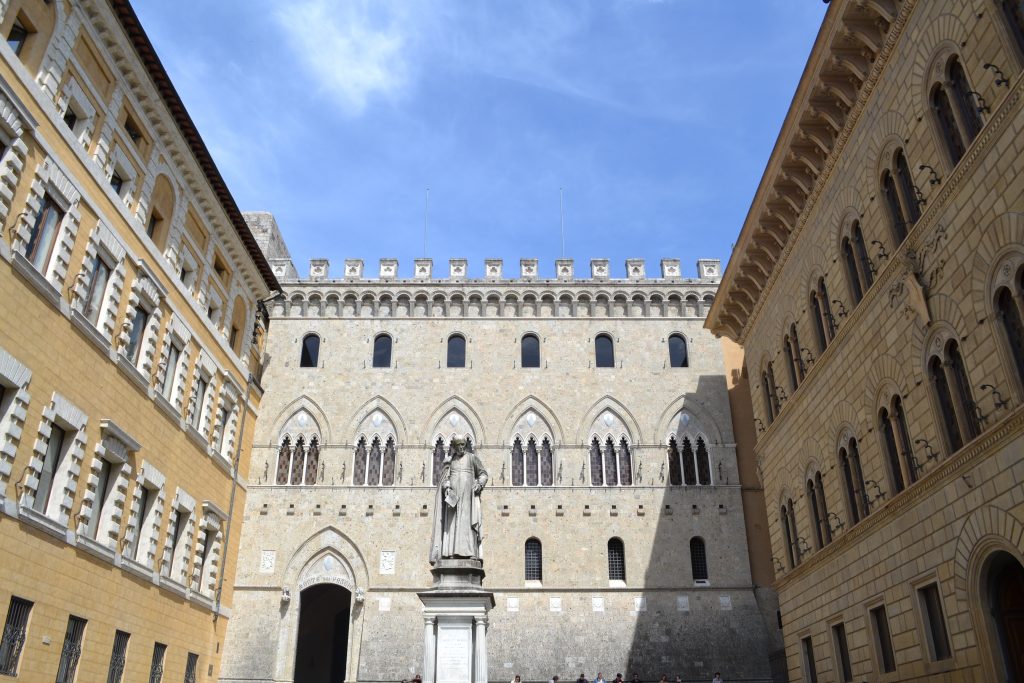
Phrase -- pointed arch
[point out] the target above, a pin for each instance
(378, 404)
(543, 411)
(700, 415)
(303, 402)
(439, 422)
(612, 405)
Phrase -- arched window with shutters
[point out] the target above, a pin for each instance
(611, 458)
(678, 356)
(604, 351)
(616, 560)
(298, 457)
(853, 480)
(956, 412)
(374, 461)
(382, 351)
(529, 351)
(456, 351)
(1010, 318)
(310, 355)
(698, 561)
(532, 457)
(534, 570)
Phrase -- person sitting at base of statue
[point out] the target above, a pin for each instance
(717, 678)
(516, 679)
(619, 679)
(582, 679)
(554, 679)
(599, 678)
(635, 678)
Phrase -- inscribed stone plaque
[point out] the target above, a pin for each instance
(387, 561)
(725, 602)
(597, 604)
(512, 604)
(555, 604)
(384, 604)
(640, 604)
(267, 559)
(454, 652)
(682, 603)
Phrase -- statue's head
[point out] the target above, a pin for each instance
(459, 445)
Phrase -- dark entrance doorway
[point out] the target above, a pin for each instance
(1006, 604)
(322, 649)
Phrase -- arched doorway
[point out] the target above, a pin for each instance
(1005, 604)
(322, 644)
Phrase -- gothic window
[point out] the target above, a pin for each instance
(546, 464)
(970, 117)
(698, 559)
(787, 534)
(437, 461)
(534, 560)
(298, 473)
(596, 469)
(1009, 316)
(853, 479)
(373, 465)
(382, 351)
(677, 351)
(518, 468)
(611, 460)
(852, 274)
(675, 472)
(616, 560)
(689, 466)
(703, 464)
(611, 467)
(532, 466)
(908, 193)
(387, 477)
(531, 451)
(625, 463)
(298, 457)
(943, 110)
(530, 351)
(456, 351)
(952, 392)
(604, 351)
(310, 357)
(359, 466)
(1013, 12)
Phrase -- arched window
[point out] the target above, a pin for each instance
(604, 351)
(788, 522)
(675, 471)
(703, 464)
(1008, 313)
(689, 466)
(534, 560)
(382, 351)
(677, 353)
(860, 250)
(826, 309)
(853, 479)
(821, 314)
(547, 465)
(359, 466)
(625, 459)
(946, 120)
(532, 466)
(698, 560)
(791, 361)
(908, 193)
(518, 466)
(822, 504)
(852, 273)
(532, 459)
(816, 521)
(298, 459)
(970, 117)
(794, 359)
(892, 426)
(456, 351)
(387, 476)
(897, 223)
(616, 560)
(596, 463)
(1013, 12)
(530, 351)
(611, 459)
(312, 462)
(284, 461)
(952, 391)
(310, 357)
(771, 394)
(818, 323)
(297, 475)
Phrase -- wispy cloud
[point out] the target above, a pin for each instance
(356, 50)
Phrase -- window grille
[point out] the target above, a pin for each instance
(698, 559)
(298, 461)
(190, 667)
(616, 560)
(312, 462)
(518, 468)
(689, 467)
(359, 470)
(532, 466)
(611, 470)
(675, 473)
(388, 473)
(382, 351)
(118, 656)
(534, 560)
(374, 463)
(625, 463)
(530, 351)
(156, 667)
(71, 652)
(14, 635)
(310, 355)
(284, 457)
(547, 464)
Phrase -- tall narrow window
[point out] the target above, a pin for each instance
(817, 320)
(703, 463)
(295, 477)
(791, 360)
(105, 482)
(284, 461)
(437, 462)
(71, 652)
(140, 318)
(456, 351)
(137, 549)
(819, 489)
(518, 463)
(795, 359)
(689, 464)
(953, 395)
(616, 560)
(961, 381)
(1009, 317)
(826, 309)
(860, 250)
(811, 671)
(97, 288)
(359, 467)
(43, 234)
(530, 351)
(852, 491)
(934, 622)
(794, 536)
(698, 560)
(55, 450)
(156, 666)
(547, 464)
(787, 536)
(170, 370)
(15, 630)
(374, 463)
(118, 657)
(908, 191)
(892, 455)
(596, 463)
(625, 463)
(604, 351)
(816, 521)
(943, 110)
(944, 400)
(382, 351)
(611, 468)
(970, 117)
(675, 471)
(534, 561)
(1013, 12)
(223, 413)
(310, 356)
(17, 37)
(842, 649)
(883, 639)
(532, 465)
(388, 471)
(852, 273)
(677, 352)
(191, 664)
(312, 462)
(201, 386)
(773, 390)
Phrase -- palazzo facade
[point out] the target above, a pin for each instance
(614, 534)
(877, 288)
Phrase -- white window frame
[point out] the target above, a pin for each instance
(144, 524)
(61, 495)
(100, 517)
(14, 379)
(178, 543)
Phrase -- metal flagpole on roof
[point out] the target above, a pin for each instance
(426, 206)
(561, 218)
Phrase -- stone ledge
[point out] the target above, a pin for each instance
(28, 272)
(44, 523)
(90, 332)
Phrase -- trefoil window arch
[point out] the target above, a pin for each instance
(297, 465)
(689, 462)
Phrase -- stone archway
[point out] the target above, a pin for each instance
(1003, 594)
(321, 650)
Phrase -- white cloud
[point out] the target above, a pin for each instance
(356, 49)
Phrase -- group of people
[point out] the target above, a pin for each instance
(618, 679)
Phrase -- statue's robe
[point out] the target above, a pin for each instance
(457, 516)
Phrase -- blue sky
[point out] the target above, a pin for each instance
(655, 116)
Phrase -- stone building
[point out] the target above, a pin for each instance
(877, 288)
(614, 529)
(129, 284)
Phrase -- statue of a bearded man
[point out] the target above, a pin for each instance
(457, 512)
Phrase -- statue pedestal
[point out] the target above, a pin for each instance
(455, 623)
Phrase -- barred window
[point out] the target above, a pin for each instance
(547, 465)
(191, 664)
(284, 460)
(118, 657)
(534, 560)
(310, 356)
(14, 635)
(616, 560)
(698, 559)
(156, 666)
(71, 652)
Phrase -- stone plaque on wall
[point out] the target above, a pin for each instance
(267, 560)
(597, 604)
(555, 604)
(454, 652)
(512, 604)
(387, 561)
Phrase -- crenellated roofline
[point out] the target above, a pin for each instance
(852, 46)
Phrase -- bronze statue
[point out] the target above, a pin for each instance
(457, 512)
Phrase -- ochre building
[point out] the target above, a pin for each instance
(877, 288)
(128, 335)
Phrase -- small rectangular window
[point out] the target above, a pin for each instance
(200, 399)
(222, 420)
(934, 622)
(70, 119)
(15, 630)
(118, 657)
(842, 649)
(104, 484)
(139, 321)
(116, 182)
(190, 667)
(51, 464)
(72, 650)
(173, 357)
(97, 289)
(17, 37)
(156, 667)
(810, 671)
(883, 639)
(147, 499)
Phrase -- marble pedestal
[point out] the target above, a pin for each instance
(455, 623)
